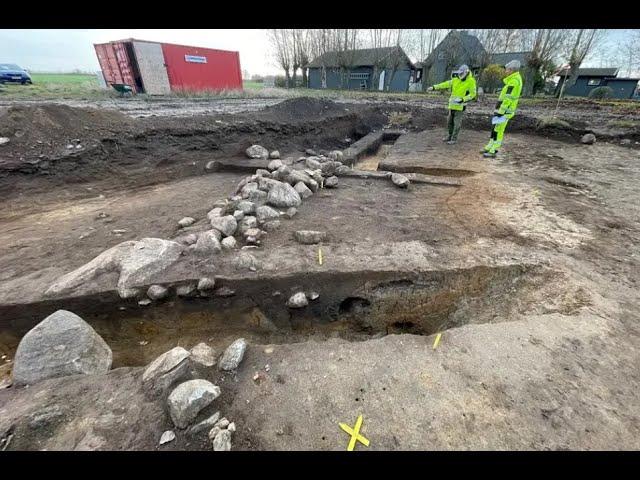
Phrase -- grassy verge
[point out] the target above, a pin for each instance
(56, 86)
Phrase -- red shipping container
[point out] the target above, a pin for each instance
(194, 68)
(157, 68)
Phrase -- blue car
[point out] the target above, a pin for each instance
(13, 73)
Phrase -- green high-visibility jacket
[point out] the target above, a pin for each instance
(464, 89)
(509, 95)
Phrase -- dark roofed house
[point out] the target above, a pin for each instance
(590, 78)
(358, 70)
(456, 48)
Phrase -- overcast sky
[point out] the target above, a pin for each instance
(68, 50)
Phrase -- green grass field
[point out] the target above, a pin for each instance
(56, 85)
(249, 85)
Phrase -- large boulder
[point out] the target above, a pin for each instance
(400, 180)
(62, 344)
(188, 399)
(257, 151)
(226, 225)
(208, 243)
(248, 222)
(297, 300)
(257, 196)
(246, 207)
(283, 195)
(309, 237)
(331, 182)
(135, 261)
(329, 168)
(336, 155)
(266, 213)
(233, 355)
(166, 370)
(204, 355)
(275, 164)
(303, 190)
(588, 139)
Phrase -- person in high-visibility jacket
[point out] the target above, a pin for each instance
(463, 90)
(505, 108)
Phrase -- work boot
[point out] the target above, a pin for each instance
(452, 142)
(489, 154)
(446, 139)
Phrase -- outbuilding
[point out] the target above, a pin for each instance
(160, 68)
(590, 78)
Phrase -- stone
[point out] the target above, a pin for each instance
(157, 292)
(188, 399)
(309, 237)
(226, 225)
(336, 155)
(222, 441)
(208, 243)
(291, 212)
(400, 180)
(261, 172)
(297, 300)
(222, 423)
(331, 182)
(256, 151)
(298, 176)
(213, 432)
(283, 195)
(266, 184)
(271, 225)
(214, 213)
(246, 207)
(186, 290)
(190, 239)
(224, 292)
(342, 170)
(282, 173)
(233, 355)
(4, 140)
(186, 221)
(204, 355)
(229, 243)
(238, 215)
(167, 369)
(329, 168)
(311, 152)
(167, 437)
(588, 139)
(274, 154)
(246, 261)
(144, 302)
(248, 222)
(136, 261)
(253, 232)
(312, 163)
(265, 213)
(316, 175)
(274, 165)
(60, 345)
(313, 295)
(205, 424)
(206, 283)
(625, 141)
(303, 190)
(257, 196)
(232, 427)
(212, 166)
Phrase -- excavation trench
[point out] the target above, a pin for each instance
(353, 306)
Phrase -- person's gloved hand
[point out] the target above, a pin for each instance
(457, 100)
(430, 89)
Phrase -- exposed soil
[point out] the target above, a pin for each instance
(529, 267)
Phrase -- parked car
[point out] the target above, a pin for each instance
(13, 73)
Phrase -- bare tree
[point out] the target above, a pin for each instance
(380, 39)
(282, 51)
(628, 52)
(345, 45)
(419, 43)
(543, 45)
(303, 41)
(582, 43)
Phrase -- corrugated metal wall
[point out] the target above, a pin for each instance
(115, 63)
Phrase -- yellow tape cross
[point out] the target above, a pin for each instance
(355, 434)
(320, 256)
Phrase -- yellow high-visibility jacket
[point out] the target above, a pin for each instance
(509, 95)
(464, 89)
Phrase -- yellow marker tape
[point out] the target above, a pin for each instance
(355, 434)
(437, 341)
(320, 256)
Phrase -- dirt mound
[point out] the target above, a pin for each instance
(47, 127)
(304, 109)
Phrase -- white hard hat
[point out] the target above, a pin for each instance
(513, 65)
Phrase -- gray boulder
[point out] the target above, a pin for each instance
(186, 221)
(309, 237)
(588, 139)
(222, 441)
(256, 151)
(188, 399)
(229, 243)
(274, 154)
(204, 355)
(331, 182)
(169, 368)
(186, 290)
(261, 172)
(310, 151)
(246, 207)
(238, 215)
(329, 168)
(226, 225)
(135, 261)
(214, 213)
(298, 300)
(275, 165)
(206, 424)
(233, 355)
(62, 344)
(336, 155)
(248, 222)
(400, 180)
(265, 213)
(303, 190)
(246, 261)
(271, 225)
(281, 173)
(298, 176)
(208, 243)
(157, 292)
(206, 283)
(283, 195)
(312, 163)
(257, 197)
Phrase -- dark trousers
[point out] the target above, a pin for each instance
(454, 122)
